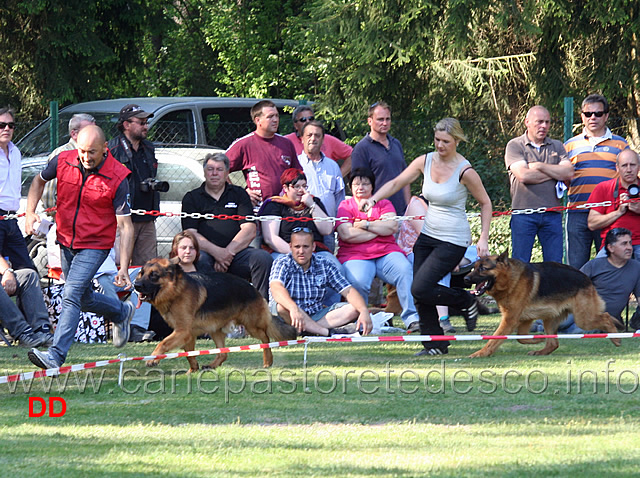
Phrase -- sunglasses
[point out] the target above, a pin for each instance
(304, 119)
(301, 229)
(141, 123)
(11, 125)
(598, 114)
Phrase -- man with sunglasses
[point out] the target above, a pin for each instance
(593, 153)
(27, 320)
(331, 147)
(132, 149)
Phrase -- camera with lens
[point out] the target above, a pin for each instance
(633, 191)
(152, 184)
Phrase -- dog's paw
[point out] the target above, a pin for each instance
(479, 353)
(616, 342)
(152, 363)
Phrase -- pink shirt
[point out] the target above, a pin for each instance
(332, 147)
(378, 247)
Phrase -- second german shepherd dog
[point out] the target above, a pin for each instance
(198, 304)
(545, 290)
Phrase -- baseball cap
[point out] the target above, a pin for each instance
(133, 111)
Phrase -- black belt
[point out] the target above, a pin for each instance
(5, 213)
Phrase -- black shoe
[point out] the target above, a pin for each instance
(414, 328)
(46, 339)
(470, 314)
(431, 351)
(347, 329)
(138, 334)
(31, 340)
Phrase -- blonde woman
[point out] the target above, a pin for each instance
(445, 235)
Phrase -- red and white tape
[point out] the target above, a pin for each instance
(367, 339)
(103, 363)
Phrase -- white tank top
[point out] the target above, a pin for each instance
(446, 218)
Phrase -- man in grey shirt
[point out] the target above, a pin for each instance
(536, 164)
(615, 277)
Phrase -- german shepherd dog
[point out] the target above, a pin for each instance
(545, 290)
(197, 304)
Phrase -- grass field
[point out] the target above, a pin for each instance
(355, 410)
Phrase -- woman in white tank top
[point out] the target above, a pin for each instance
(448, 177)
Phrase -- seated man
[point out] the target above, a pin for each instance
(27, 320)
(298, 283)
(619, 213)
(615, 277)
(224, 244)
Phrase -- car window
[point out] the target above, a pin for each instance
(28, 173)
(181, 179)
(175, 127)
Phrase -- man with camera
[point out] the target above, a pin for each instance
(132, 149)
(624, 208)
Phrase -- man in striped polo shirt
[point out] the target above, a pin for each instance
(593, 154)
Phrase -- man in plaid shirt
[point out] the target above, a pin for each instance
(298, 283)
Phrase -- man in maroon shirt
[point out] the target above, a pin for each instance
(263, 155)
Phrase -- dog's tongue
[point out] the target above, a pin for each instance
(139, 303)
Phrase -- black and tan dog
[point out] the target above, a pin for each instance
(547, 290)
(194, 304)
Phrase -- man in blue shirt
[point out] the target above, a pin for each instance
(297, 284)
(382, 154)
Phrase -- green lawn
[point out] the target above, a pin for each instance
(356, 410)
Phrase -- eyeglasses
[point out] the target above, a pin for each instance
(597, 113)
(11, 125)
(141, 123)
(304, 119)
(301, 229)
(299, 187)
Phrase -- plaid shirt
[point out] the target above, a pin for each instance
(307, 289)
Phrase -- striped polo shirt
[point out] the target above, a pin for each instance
(593, 163)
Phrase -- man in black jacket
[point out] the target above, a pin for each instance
(133, 150)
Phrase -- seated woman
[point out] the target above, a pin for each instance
(185, 247)
(296, 202)
(367, 246)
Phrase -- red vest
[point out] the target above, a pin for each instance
(85, 216)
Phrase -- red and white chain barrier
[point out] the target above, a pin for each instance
(237, 217)
(306, 341)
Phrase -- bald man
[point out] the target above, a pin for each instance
(93, 199)
(538, 167)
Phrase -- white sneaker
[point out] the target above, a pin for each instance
(378, 320)
(121, 329)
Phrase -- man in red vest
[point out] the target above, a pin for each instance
(93, 200)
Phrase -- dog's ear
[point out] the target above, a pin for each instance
(504, 256)
(175, 270)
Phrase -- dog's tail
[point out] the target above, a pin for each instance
(280, 330)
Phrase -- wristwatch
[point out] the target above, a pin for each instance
(9, 270)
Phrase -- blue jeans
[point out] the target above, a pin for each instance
(142, 315)
(547, 226)
(394, 269)
(580, 238)
(79, 267)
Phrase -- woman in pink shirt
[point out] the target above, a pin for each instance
(367, 245)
